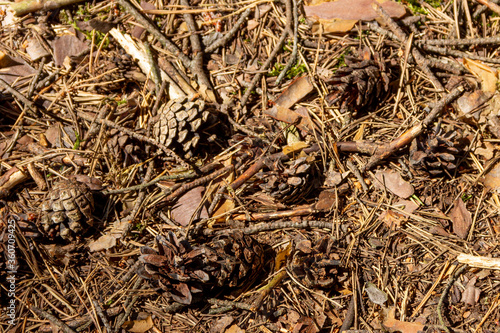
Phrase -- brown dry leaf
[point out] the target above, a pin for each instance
(326, 200)
(102, 243)
(341, 15)
(15, 69)
(394, 183)
(281, 257)
(469, 103)
(393, 325)
(6, 60)
(487, 75)
(406, 205)
(235, 329)
(471, 293)
(67, 46)
(461, 219)
(294, 147)
(252, 24)
(227, 206)
(488, 152)
(334, 26)
(492, 178)
(221, 324)
(138, 326)
(187, 205)
(392, 219)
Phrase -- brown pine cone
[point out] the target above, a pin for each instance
(179, 122)
(358, 84)
(291, 184)
(436, 151)
(183, 270)
(316, 265)
(67, 210)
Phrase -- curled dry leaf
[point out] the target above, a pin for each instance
(392, 219)
(221, 324)
(235, 329)
(471, 293)
(393, 325)
(375, 295)
(461, 219)
(487, 75)
(394, 183)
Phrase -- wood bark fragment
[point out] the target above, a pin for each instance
(479, 261)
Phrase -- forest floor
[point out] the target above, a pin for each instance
(249, 166)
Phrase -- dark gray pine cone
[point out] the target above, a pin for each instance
(316, 265)
(182, 269)
(437, 151)
(179, 122)
(67, 210)
(291, 184)
(360, 83)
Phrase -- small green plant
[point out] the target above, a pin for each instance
(292, 72)
(341, 62)
(98, 36)
(121, 102)
(78, 141)
(466, 196)
(414, 6)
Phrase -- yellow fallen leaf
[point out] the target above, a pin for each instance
(138, 326)
(295, 147)
(281, 256)
(487, 75)
(393, 325)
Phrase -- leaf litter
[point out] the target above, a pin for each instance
(248, 167)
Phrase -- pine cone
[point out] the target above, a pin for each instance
(123, 148)
(358, 84)
(436, 151)
(182, 270)
(178, 124)
(316, 266)
(291, 184)
(67, 210)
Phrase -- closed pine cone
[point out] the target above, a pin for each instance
(67, 210)
(183, 270)
(179, 122)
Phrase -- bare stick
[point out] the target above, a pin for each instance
(491, 5)
(479, 261)
(196, 67)
(293, 56)
(273, 54)
(385, 150)
(419, 58)
(140, 137)
(29, 6)
(227, 37)
(153, 29)
(262, 227)
(53, 319)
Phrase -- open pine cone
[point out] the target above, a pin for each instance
(358, 84)
(67, 210)
(291, 184)
(179, 122)
(183, 270)
(316, 265)
(437, 150)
